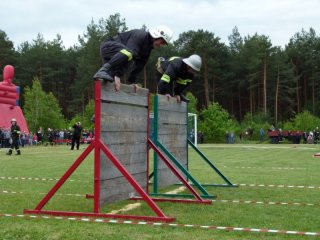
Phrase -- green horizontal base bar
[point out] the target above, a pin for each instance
(213, 185)
(182, 195)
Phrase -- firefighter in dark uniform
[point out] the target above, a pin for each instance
(50, 137)
(176, 74)
(15, 136)
(76, 135)
(129, 49)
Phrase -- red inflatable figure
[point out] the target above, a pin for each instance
(9, 97)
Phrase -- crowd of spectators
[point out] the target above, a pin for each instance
(45, 138)
(296, 137)
(200, 136)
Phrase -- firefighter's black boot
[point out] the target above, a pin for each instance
(18, 152)
(104, 73)
(9, 152)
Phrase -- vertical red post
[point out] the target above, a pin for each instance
(97, 135)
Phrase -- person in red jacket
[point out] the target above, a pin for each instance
(129, 49)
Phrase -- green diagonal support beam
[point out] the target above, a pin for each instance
(182, 169)
(210, 164)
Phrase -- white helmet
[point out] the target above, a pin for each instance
(194, 61)
(161, 31)
(13, 120)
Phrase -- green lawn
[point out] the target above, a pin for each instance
(287, 174)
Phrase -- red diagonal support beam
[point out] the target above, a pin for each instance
(65, 176)
(131, 180)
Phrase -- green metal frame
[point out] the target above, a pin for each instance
(176, 163)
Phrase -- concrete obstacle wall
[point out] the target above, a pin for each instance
(172, 134)
(124, 130)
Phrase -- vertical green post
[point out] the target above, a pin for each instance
(187, 138)
(155, 139)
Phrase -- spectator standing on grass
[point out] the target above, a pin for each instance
(40, 136)
(50, 136)
(30, 139)
(61, 136)
(7, 137)
(34, 139)
(310, 137)
(76, 135)
(201, 137)
(227, 136)
(262, 134)
(23, 139)
(191, 136)
(231, 137)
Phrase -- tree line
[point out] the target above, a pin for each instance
(247, 76)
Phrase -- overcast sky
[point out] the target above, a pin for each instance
(22, 20)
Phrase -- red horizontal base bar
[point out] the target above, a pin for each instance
(176, 200)
(102, 215)
(89, 196)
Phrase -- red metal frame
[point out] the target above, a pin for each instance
(97, 145)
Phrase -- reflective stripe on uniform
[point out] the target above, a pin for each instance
(127, 53)
(165, 78)
(184, 81)
(172, 58)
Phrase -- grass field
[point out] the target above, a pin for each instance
(279, 190)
